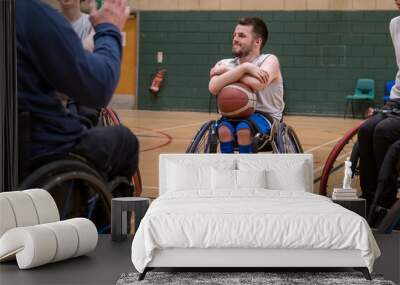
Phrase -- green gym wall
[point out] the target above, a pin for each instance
(322, 54)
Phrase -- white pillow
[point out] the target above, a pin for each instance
(254, 163)
(188, 177)
(290, 179)
(223, 179)
(251, 178)
(290, 173)
(194, 174)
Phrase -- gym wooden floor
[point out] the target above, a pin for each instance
(171, 132)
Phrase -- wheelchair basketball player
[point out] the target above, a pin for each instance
(260, 72)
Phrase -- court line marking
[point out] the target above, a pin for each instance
(167, 136)
(322, 145)
(318, 169)
(181, 126)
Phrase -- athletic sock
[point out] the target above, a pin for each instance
(226, 147)
(245, 148)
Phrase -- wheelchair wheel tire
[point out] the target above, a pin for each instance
(108, 117)
(287, 140)
(94, 203)
(205, 141)
(137, 182)
(54, 168)
(78, 190)
(331, 177)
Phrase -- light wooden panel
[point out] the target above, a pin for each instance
(317, 4)
(295, 4)
(340, 5)
(230, 4)
(261, 5)
(127, 81)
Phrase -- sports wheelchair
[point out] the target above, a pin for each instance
(281, 139)
(77, 186)
(385, 220)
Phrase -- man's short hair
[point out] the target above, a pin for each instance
(259, 28)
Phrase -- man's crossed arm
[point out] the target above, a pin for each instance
(257, 78)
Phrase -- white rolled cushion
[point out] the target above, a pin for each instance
(87, 235)
(251, 178)
(23, 208)
(45, 205)
(40, 244)
(67, 239)
(33, 246)
(7, 218)
(223, 179)
(293, 180)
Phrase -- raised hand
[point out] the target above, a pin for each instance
(114, 12)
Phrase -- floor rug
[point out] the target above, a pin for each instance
(243, 278)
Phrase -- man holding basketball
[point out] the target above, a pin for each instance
(260, 72)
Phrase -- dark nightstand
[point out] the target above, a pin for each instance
(119, 209)
(358, 206)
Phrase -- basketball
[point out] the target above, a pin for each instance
(236, 100)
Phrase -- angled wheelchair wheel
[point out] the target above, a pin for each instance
(109, 118)
(78, 190)
(52, 168)
(293, 140)
(332, 173)
(287, 140)
(205, 141)
(137, 183)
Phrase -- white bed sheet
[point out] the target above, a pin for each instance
(252, 218)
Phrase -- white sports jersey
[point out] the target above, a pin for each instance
(270, 99)
(82, 26)
(395, 33)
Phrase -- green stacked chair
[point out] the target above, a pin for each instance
(364, 93)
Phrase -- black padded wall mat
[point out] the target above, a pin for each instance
(8, 98)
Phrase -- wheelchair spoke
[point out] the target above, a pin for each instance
(92, 204)
(204, 141)
(67, 204)
(287, 140)
(91, 198)
(105, 229)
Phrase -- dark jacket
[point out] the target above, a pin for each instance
(50, 57)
